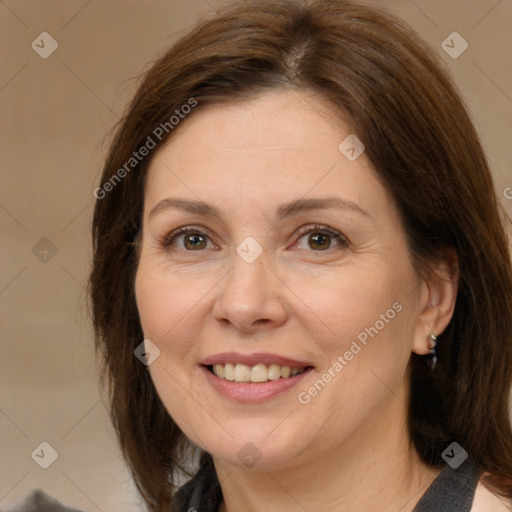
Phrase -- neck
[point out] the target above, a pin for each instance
(376, 469)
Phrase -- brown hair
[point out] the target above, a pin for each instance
(421, 142)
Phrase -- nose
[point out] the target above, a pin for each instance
(250, 297)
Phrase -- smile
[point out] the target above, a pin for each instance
(257, 373)
(253, 377)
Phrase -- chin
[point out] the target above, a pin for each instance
(259, 447)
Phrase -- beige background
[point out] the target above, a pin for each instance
(55, 116)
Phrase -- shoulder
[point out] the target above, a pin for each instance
(486, 501)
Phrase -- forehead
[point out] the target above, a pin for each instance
(276, 147)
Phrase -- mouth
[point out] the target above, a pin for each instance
(257, 373)
(254, 377)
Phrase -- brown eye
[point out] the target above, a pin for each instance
(194, 241)
(319, 241)
(188, 240)
(321, 238)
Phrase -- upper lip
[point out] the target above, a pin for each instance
(253, 359)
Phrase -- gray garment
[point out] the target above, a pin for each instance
(39, 501)
(452, 491)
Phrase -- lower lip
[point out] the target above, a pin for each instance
(252, 391)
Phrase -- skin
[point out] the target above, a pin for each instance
(348, 445)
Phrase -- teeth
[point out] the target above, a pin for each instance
(242, 373)
(286, 372)
(229, 372)
(218, 369)
(274, 372)
(257, 373)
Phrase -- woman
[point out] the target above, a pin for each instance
(301, 284)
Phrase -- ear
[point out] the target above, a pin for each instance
(437, 301)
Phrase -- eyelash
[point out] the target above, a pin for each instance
(317, 228)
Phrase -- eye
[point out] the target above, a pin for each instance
(318, 238)
(188, 239)
(321, 238)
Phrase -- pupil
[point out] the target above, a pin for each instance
(320, 241)
(194, 241)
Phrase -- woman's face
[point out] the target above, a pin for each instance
(294, 262)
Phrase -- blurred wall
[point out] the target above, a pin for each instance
(55, 117)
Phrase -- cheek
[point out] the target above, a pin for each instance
(365, 351)
(355, 304)
(367, 318)
(166, 305)
(166, 310)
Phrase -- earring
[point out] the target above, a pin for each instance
(432, 342)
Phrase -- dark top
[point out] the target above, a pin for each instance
(453, 490)
(39, 501)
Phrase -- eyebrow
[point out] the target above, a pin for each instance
(282, 211)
